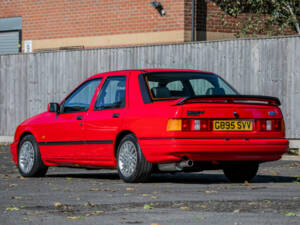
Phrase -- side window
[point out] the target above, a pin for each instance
(201, 86)
(80, 99)
(112, 94)
(175, 86)
(152, 84)
(177, 89)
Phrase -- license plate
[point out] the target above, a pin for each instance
(233, 125)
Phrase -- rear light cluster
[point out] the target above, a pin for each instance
(262, 125)
(269, 125)
(196, 125)
(189, 125)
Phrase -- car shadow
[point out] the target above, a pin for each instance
(101, 176)
(187, 178)
(203, 178)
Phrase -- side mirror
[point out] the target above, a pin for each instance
(53, 107)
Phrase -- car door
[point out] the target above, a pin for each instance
(64, 138)
(105, 119)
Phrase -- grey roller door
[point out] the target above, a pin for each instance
(10, 31)
(9, 42)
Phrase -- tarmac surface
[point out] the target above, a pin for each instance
(79, 196)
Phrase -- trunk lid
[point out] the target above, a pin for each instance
(246, 115)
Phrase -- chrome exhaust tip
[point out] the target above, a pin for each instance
(175, 167)
(185, 163)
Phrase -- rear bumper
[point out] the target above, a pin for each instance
(161, 150)
(14, 151)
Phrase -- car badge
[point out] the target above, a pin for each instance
(195, 113)
(235, 114)
(272, 113)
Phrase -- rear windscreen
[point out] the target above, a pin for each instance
(173, 85)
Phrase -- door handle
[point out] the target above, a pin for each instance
(116, 115)
(79, 117)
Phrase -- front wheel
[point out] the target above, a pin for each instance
(30, 163)
(241, 172)
(131, 163)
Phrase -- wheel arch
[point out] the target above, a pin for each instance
(119, 137)
(38, 167)
(25, 133)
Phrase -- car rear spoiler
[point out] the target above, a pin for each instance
(234, 99)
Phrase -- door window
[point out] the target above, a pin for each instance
(112, 95)
(80, 99)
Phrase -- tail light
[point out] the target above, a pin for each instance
(276, 125)
(174, 125)
(189, 125)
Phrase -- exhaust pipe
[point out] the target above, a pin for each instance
(185, 163)
(175, 167)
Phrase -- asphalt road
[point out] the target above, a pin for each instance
(78, 196)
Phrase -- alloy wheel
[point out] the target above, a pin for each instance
(127, 158)
(26, 157)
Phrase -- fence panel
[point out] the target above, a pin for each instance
(253, 66)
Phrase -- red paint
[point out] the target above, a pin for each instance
(149, 122)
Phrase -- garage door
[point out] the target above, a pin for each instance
(9, 42)
(10, 30)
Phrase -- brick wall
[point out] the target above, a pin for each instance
(44, 19)
(214, 20)
(61, 19)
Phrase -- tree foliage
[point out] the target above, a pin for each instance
(264, 16)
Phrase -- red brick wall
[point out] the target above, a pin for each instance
(188, 14)
(46, 19)
(49, 19)
(215, 23)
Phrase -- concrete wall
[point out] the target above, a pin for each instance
(259, 66)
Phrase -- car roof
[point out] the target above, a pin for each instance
(148, 71)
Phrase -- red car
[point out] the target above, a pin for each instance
(153, 120)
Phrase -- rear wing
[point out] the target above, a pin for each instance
(233, 99)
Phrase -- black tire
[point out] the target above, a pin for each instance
(141, 170)
(38, 168)
(239, 173)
